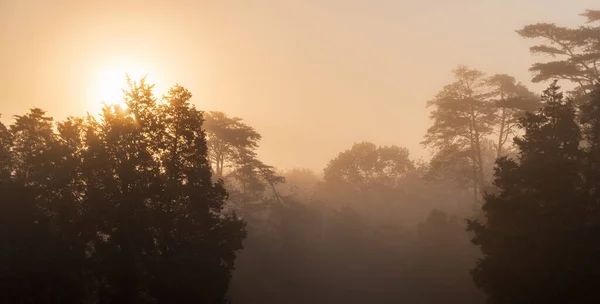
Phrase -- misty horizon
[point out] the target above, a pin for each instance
(267, 64)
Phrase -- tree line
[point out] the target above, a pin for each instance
(159, 202)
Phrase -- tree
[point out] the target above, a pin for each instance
(229, 140)
(5, 155)
(232, 144)
(161, 232)
(252, 178)
(462, 118)
(195, 261)
(589, 119)
(301, 182)
(539, 232)
(41, 249)
(369, 179)
(116, 209)
(575, 52)
(365, 165)
(512, 99)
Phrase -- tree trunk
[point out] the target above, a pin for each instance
(475, 192)
(474, 162)
(501, 137)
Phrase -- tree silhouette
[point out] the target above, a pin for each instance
(41, 249)
(119, 209)
(575, 52)
(232, 144)
(365, 166)
(466, 115)
(512, 99)
(230, 141)
(462, 118)
(538, 237)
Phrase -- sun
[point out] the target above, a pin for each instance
(109, 80)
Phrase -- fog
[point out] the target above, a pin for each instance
(303, 73)
(298, 151)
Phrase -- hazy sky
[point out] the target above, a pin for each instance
(312, 77)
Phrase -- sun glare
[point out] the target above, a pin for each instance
(110, 80)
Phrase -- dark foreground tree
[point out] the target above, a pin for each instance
(120, 209)
(540, 237)
(42, 251)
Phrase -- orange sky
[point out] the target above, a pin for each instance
(311, 76)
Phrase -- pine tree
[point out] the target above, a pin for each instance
(539, 234)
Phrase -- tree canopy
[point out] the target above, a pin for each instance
(574, 52)
(539, 232)
(467, 116)
(119, 209)
(365, 165)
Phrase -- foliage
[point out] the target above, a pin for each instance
(120, 209)
(466, 114)
(354, 240)
(462, 118)
(230, 141)
(539, 233)
(300, 182)
(574, 52)
(232, 145)
(513, 100)
(366, 165)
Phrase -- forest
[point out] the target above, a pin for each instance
(158, 201)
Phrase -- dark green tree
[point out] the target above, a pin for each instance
(538, 236)
(161, 234)
(5, 155)
(41, 248)
(116, 209)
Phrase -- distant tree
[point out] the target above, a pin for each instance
(539, 232)
(232, 144)
(253, 177)
(462, 118)
(474, 122)
(230, 141)
(575, 52)
(301, 182)
(512, 99)
(365, 165)
(372, 198)
(369, 179)
(454, 165)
